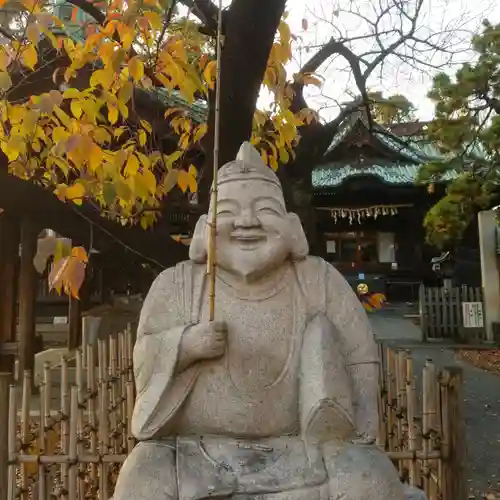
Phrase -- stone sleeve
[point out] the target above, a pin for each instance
(346, 311)
(158, 315)
(159, 391)
(359, 347)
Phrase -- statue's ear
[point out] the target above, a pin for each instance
(300, 246)
(198, 247)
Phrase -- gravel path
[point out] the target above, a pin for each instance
(481, 401)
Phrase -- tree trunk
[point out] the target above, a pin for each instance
(249, 35)
(296, 179)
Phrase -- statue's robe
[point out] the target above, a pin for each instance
(282, 431)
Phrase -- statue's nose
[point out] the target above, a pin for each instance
(247, 218)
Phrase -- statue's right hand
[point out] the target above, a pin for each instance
(205, 340)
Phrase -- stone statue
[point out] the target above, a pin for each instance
(277, 399)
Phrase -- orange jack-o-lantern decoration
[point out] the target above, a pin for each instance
(371, 301)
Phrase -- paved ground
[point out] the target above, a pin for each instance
(481, 399)
(391, 326)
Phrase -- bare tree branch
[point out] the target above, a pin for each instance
(206, 11)
(6, 33)
(90, 9)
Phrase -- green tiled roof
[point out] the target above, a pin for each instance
(198, 110)
(412, 151)
(331, 175)
(407, 149)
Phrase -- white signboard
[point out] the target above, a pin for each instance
(473, 314)
(386, 248)
(331, 246)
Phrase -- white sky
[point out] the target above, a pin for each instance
(327, 18)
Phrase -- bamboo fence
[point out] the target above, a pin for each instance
(75, 451)
(422, 424)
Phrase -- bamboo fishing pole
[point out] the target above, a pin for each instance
(211, 261)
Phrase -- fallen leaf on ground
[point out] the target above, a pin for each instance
(485, 359)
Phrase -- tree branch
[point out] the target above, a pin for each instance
(6, 33)
(90, 9)
(249, 37)
(329, 49)
(493, 103)
(206, 11)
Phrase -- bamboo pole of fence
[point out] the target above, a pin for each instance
(80, 391)
(402, 427)
(391, 399)
(123, 388)
(41, 480)
(426, 422)
(24, 431)
(445, 438)
(412, 430)
(129, 350)
(92, 409)
(456, 487)
(49, 426)
(410, 455)
(382, 401)
(84, 459)
(65, 415)
(113, 392)
(130, 409)
(432, 409)
(12, 442)
(103, 419)
(5, 379)
(73, 445)
(438, 429)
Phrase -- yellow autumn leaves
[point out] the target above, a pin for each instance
(275, 132)
(68, 271)
(89, 143)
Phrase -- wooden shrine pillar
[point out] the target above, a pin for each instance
(9, 254)
(28, 290)
(75, 323)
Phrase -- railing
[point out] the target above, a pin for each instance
(424, 434)
(441, 314)
(73, 446)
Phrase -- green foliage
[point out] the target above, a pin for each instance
(393, 109)
(467, 130)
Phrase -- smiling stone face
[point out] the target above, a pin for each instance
(253, 227)
(255, 234)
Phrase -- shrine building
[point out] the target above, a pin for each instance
(370, 210)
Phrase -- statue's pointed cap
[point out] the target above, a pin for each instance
(248, 154)
(248, 165)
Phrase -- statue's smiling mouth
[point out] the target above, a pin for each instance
(248, 239)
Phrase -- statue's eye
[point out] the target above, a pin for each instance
(226, 213)
(268, 210)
